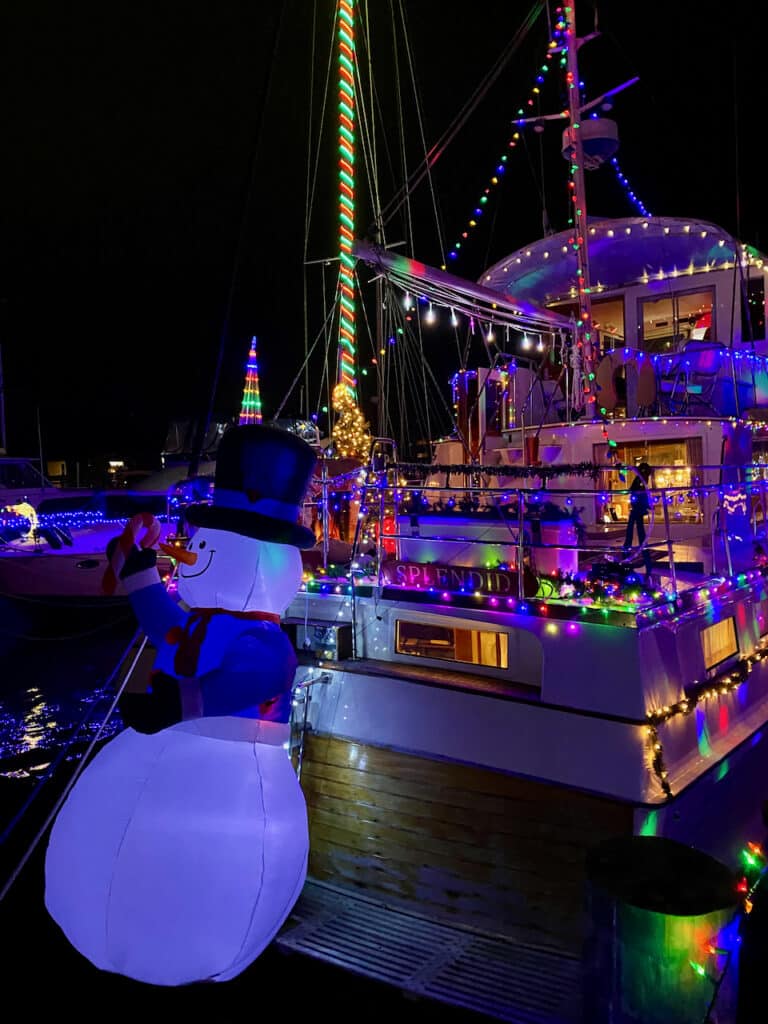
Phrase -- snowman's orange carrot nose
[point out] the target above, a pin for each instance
(179, 554)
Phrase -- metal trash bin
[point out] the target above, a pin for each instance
(656, 909)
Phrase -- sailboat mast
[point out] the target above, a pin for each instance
(584, 331)
(347, 118)
(350, 432)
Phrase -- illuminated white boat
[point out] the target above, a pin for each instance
(55, 554)
(501, 682)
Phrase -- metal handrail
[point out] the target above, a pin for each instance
(377, 487)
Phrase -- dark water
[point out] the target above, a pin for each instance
(54, 691)
(55, 672)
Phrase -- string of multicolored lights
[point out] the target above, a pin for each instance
(734, 251)
(552, 49)
(250, 410)
(631, 196)
(628, 601)
(554, 46)
(346, 140)
(564, 616)
(585, 351)
(719, 951)
(721, 685)
(667, 367)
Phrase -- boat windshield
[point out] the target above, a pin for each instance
(110, 505)
(16, 473)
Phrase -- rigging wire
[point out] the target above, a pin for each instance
(401, 132)
(409, 213)
(313, 148)
(302, 368)
(365, 115)
(422, 135)
(369, 157)
(413, 361)
(325, 379)
(77, 772)
(64, 752)
(437, 150)
(204, 424)
(538, 178)
(401, 328)
(140, 638)
(308, 195)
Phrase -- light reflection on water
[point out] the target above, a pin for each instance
(35, 720)
(29, 722)
(52, 690)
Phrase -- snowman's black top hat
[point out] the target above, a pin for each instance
(262, 474)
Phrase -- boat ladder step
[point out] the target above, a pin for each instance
(446, 963)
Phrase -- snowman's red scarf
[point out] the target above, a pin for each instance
(190, 636)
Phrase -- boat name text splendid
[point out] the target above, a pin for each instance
(421, 576)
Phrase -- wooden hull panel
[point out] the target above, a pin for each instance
(459, 843)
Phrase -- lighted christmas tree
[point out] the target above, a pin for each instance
(350, 433)
(250, 410)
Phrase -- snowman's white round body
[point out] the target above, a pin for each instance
(178, 855)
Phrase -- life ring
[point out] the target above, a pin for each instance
(605, 378)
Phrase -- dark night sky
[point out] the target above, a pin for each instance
(132, 132)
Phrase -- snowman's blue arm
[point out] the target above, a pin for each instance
(156, 611)
(254, 679)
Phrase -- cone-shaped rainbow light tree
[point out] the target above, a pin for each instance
(250, 410)
(350, 433)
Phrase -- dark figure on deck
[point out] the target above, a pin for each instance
(639, 506)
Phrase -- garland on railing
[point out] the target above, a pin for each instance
(470, 505)
(586, 469)
(627, 587)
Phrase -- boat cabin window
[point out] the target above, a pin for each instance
(675, 467)
(665, 323)
(21, 474)
(718, 643)
(607, 319)
(451, 643)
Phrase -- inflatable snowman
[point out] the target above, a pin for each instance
(183, 846)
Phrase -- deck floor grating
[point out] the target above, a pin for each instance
(497, 978)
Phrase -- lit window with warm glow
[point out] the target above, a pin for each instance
(719, 643)
(449, 643)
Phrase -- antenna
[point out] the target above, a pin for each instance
(574, 152)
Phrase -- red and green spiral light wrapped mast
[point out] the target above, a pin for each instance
(350, 431)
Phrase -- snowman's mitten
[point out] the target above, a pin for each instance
(137, 560)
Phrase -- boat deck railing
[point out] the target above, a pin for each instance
(468, 516)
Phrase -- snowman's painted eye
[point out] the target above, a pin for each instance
(202, 544)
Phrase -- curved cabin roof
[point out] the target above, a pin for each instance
(622, 251)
